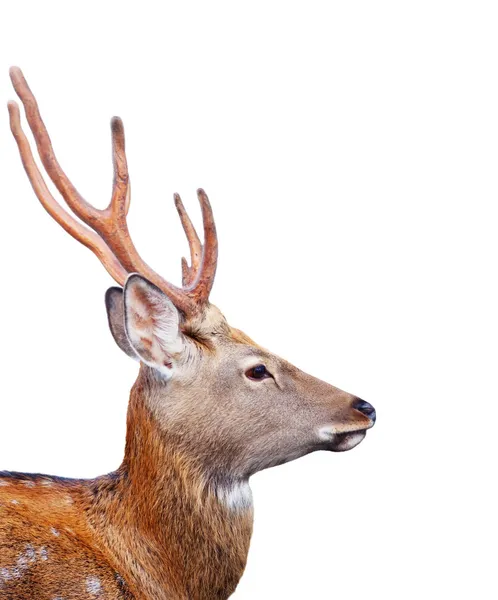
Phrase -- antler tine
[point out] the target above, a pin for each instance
(201, 288)
(120, 200)
(120, 165)
(186, 272)
(81, 233)
(189, 273)
(85, 211)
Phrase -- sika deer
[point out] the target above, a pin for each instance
(209, 409)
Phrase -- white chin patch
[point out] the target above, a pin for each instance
(340, 441)
(347, 441)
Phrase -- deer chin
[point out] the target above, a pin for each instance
(341, 441)
(347, 441)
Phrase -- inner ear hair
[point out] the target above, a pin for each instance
(152, 324)
(114, 302)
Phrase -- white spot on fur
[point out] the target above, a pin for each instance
(55, 532)
(47, 482)
(29, 483)
(14, 501)
(30, 553)
(4, 483)
(237, 496)
(93, 586)
(23, 563)
(43, 552)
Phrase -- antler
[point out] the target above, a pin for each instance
(110, 239)
(189, 273)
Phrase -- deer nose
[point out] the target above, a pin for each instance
(366, 408)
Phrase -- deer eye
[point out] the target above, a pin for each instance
(257, 373)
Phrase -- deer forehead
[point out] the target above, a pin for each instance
(213, 326)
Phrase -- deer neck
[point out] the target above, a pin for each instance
(180, 530)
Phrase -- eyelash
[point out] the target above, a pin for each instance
(258, 373)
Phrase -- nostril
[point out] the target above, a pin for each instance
(366, 408)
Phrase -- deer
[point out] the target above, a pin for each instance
(209, 409)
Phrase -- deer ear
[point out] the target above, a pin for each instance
(115, 315)
(152, 324)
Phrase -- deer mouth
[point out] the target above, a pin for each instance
(347, 441)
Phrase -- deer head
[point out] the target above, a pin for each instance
(227, 402)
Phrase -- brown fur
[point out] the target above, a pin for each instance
(182, 544)
(240, 337)
(47, 548)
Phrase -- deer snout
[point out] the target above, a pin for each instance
(365, 408)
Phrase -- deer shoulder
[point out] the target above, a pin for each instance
(47, 548)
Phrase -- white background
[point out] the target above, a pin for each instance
(350, 151)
